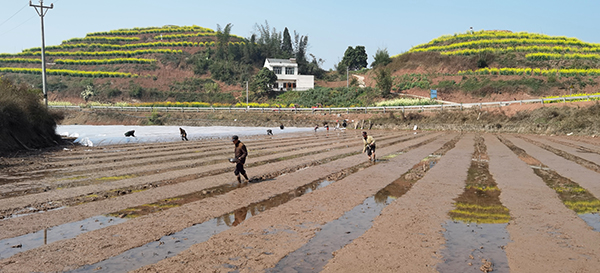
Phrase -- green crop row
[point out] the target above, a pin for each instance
(97, 53)
(20, 60)
(138, 31)
(103, 39)
(106, 61)
(555, 49)
(190, 35)
(480, 35)
(72, 73)
(128, 46)
(504, 42)
(554, 56)
(81, 62)
(532, 72)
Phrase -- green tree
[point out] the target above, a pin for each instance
(286, 45)
(360, 55)
(269, 41)
(383, 78)
(263, 81)
(223, 41)
(354, 59)
(381, 58)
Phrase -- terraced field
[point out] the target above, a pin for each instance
(433, 201)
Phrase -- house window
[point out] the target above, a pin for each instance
(276, 85)
(277, 70)
(289, 71)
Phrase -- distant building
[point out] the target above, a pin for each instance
(287, 75)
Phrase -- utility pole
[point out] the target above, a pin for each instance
(247, 106)
(42, 12)
(346, 77)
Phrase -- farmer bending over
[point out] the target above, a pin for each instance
(183, 134)
(369, 146)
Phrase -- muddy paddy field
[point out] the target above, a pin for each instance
(432, 202)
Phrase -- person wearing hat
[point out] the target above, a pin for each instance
(240, 158)
(369, 146)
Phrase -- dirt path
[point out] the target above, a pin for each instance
(303, 186)
(546, 236)
(579, 174)
(272, 231)
(142, 230)
(34, 222)
(407, 236)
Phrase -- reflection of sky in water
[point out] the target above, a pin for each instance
(173, 244)
(479, 241)
(53, 234)
(592, 219)
(98, 135)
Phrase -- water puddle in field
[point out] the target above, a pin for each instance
(570, 193)
(12, 246)
(336, 234)
(171, 245)
(476, 235)
(137, 188)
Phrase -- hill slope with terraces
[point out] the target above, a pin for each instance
(172, 63)
(125, 64)
(497, 65)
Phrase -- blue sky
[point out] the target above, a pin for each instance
(331, 26)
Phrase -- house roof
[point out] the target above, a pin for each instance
(282, 61)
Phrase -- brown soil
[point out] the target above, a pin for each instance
(407, 235)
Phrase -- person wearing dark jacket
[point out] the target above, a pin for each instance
(240, 158)
(183, 134)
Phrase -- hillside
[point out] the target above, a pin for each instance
(126, 64)
(197, 64)
(497, 65)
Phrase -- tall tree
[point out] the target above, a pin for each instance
(269, 41)
(300, 45)
(286, 45)
(384, 80)
(360, 55)
(223, 41)
(381, 58)
(354, 59)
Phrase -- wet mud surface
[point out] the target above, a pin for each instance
(432, 202)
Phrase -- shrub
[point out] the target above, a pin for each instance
(25, 122)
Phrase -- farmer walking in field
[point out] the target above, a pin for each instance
(369, 142)
(240, 158)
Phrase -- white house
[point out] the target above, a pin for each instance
(287, 75)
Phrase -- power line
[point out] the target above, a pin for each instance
(2, 34)
(13, 15)
(18, 25)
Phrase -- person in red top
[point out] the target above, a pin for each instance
(240, 158)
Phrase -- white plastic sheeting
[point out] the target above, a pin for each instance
(99, 135)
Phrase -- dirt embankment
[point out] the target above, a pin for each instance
(578, 118)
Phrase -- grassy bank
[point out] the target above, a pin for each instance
(25, 123)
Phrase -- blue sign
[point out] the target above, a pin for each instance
(433, 94)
